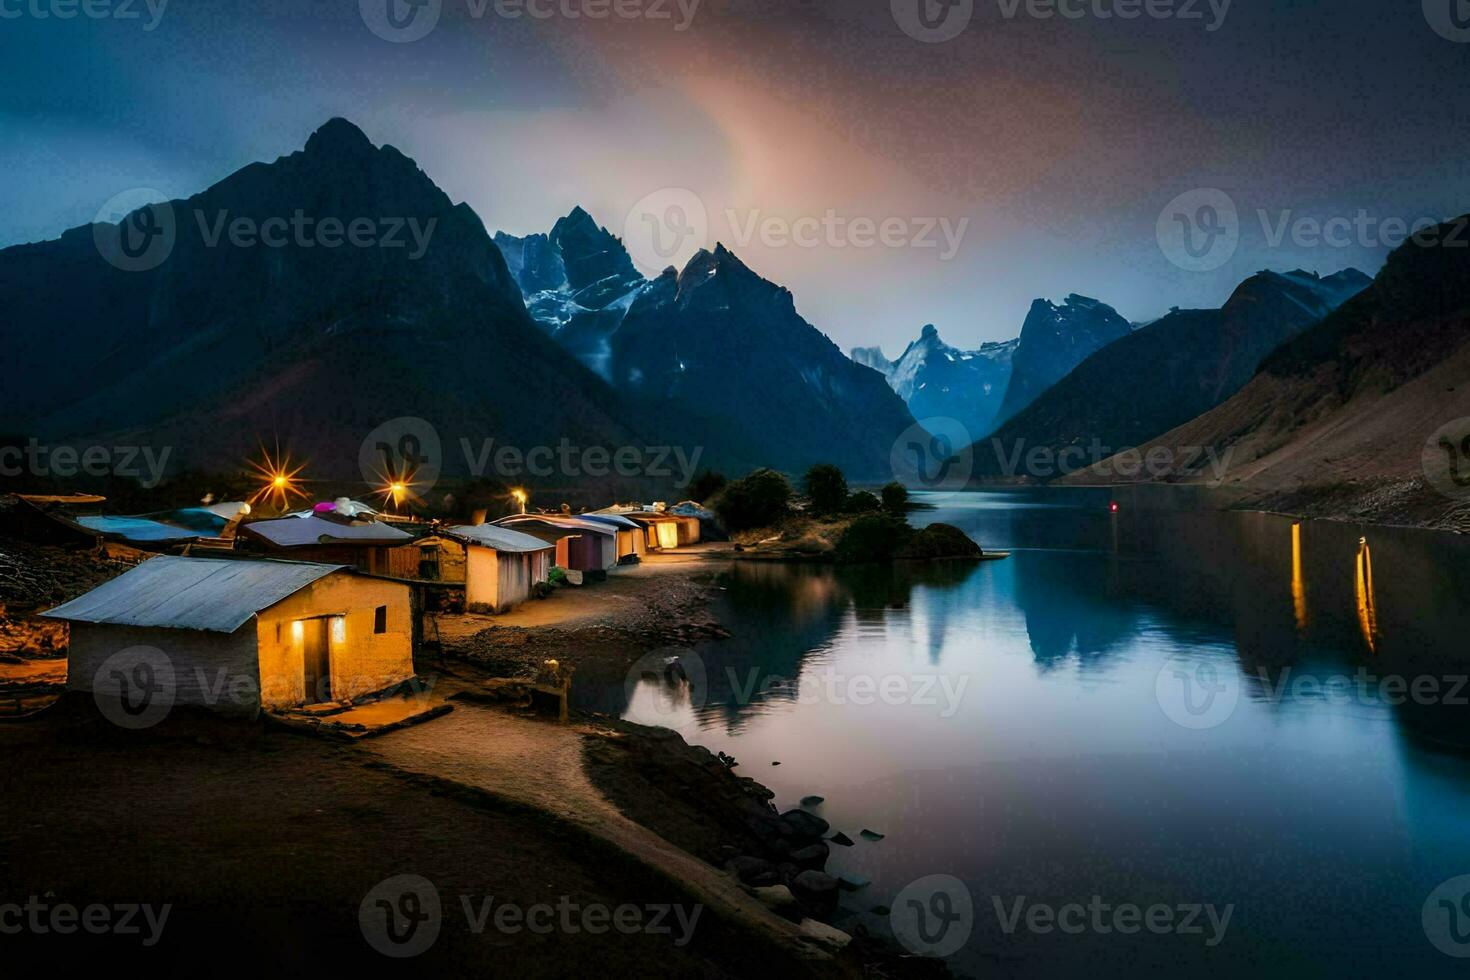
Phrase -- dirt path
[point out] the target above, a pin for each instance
(540, 764)
(661, 602)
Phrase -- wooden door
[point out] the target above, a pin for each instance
(317, 657)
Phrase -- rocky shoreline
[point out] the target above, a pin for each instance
(695, 799)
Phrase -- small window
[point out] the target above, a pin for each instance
(429, 562)
(380, 619)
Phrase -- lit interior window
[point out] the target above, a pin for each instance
(339, 629)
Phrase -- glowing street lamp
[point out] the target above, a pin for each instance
(519, 496)
(280, 483)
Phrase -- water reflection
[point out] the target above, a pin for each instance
(1363, 589)
(1298, 584)
(1327, 804)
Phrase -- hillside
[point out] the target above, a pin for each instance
(1346, 420)
(1166, 373)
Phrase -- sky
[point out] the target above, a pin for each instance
(892, 162)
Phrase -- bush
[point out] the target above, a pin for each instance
(557, 575)
(542, 590)
(895, 498)
(758, 500)
(875, 537)
(704, 486)
(939, 541)
(827, 488)
(861, 502)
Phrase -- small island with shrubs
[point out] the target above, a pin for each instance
(767, 518)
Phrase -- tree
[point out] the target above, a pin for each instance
(827, 488)
(872, 538)
(861, 502)
(895, 498)
(704, 486)
(758, 500)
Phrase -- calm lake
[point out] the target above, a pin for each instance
(1140, 723)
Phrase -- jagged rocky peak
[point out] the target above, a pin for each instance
(1054, 340)
(872, 357)
(338, 138)
(724, 267)
(589, 252)
(936, 380)
(334, 338)
(534, 261)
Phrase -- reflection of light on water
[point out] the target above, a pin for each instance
(662, 703)
(1298, 585)
(1363, 586)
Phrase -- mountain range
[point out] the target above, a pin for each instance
(982, 387)
(715, 352)
(936, 380)
(310, 343)
(1165, 373)
(1364, 415)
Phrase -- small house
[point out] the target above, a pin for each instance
(239, 635)
(501, 565)
(580, 547)
(432, 558)
(662, 530)
(365, 545)
(632, 539)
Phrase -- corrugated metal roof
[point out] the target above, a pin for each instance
(499, 538)
(612, 520)
(215, 594)
(137, 529)
(543, 529)
(570, 522)
(290, 532)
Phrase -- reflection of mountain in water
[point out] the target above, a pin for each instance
(1071, 607)
(783, 618)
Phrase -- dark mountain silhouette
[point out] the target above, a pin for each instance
(1343, 420)
(728, 351)
(1054, 340)
(221, 346)
(262, 322)
(714, 355)
(936, 380)
(1167, 372)
(577, 283)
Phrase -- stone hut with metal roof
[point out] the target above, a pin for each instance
(236, 636)
(501, 565)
